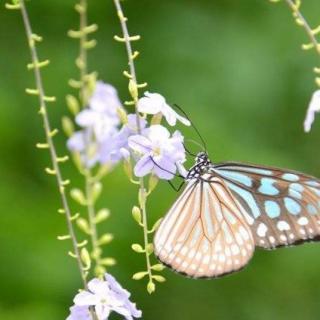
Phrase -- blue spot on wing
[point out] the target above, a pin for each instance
(267, 188)
(272, 209)
(312, 183)
(292, 206)
(236, 176)
(295, 190)
(290, 177)
(247, 197)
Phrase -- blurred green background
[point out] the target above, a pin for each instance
(237, 70)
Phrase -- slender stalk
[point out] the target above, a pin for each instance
(133, 77)
(295, 9)
(82, 63)
(47, 127)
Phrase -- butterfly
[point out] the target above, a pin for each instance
(228, 209)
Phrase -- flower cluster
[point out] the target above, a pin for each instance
(103, 296)
(106, 138)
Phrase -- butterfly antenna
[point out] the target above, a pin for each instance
(188, 151)
(174, 174)
(204, 146)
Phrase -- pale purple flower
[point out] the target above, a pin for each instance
(154, 103)
(158, 152)
(79, 313)
(99, 124)
(314, 106)
(105, 99)
(117, 148)
(77, 141)
(104, 296)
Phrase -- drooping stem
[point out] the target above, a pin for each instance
(32, 38)
(133, 83)
(304, 23)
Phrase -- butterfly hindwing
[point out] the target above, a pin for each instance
(284, 205)
(206, 232)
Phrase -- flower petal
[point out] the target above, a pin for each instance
(314, 107)
(102, 311)
(87, 118)
(151, 104)
(143, 166)
(140, 144)
(164, 168)
(85, 298)
(76, 142)
(99, 287)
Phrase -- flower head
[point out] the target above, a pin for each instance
(314, 107)
(154, 103)
(116, 148)
(158, 152)
(99, 124)
(104, 296)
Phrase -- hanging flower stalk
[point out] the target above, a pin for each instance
(93, 109)
(313, 44)
(155, 151)
(80, 253)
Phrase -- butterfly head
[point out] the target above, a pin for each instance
(201, 166)
(202, 158)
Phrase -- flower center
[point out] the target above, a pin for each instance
(157, 151)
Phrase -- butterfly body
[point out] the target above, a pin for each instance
(227, 210)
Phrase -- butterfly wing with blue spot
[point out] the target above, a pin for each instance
(284, 205)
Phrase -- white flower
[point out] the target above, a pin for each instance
(314, 107)
(104, 296)
(158, 152)
(154, 103)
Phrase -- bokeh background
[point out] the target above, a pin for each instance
(237, 70)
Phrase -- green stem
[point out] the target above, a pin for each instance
(53, 153)
(126, 37)
(304, 24)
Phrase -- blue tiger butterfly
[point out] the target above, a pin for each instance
(228, 209)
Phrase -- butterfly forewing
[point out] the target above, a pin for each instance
(284, 205)
(206, 233)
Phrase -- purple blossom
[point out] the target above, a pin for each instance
(79, 313)
(158, 152)
(99, 124)
(104, 296)
(117, 147)
(154, 103)
(314, 107)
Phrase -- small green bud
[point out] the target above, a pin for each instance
(67, 126)
(151, 287)
(158, 267)
(133, 89)
(122, 115)
(153, 181)
(85, 257)
(136, 214)
(73, 104)
(105, 239)
(78, 196)
(108, 261)
(102, 215)
(97, 188)
(137, 248)
(149, 248)
(83, 225)
(155, 226)
(159, 278)
(99, 270)
(139, 275)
